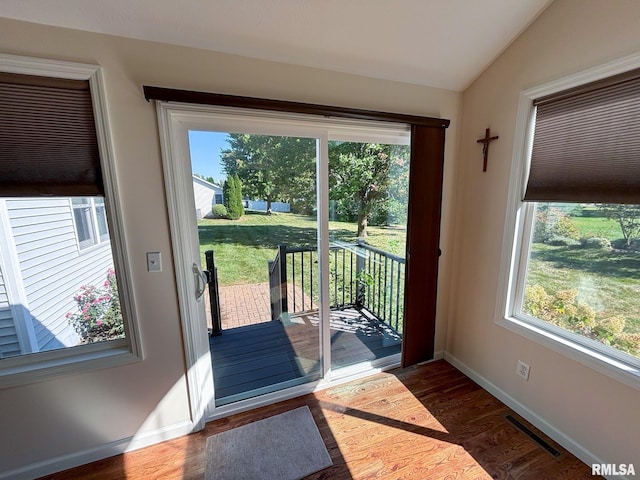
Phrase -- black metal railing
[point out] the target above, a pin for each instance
(361, 277)
(214, 294)
(278, 284)
(382, 276)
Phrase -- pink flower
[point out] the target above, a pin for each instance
(98, 322)
(68, 315)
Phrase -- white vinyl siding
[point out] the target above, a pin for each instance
(9, 344)
(52, 267)
(204, 194)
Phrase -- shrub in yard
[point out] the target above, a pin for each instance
(99, 316)
(220, 211)
(596, 242)
(564, 310)
(552, 223)
(237, 201)
(558, 241)
(564, 227)
(232, 191)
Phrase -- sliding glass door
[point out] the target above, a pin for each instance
(297, 225)
(305, 238)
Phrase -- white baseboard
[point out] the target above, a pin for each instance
(567, 442)
(89, 455)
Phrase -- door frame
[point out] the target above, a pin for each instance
(175, 119)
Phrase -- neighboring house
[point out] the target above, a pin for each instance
(49, 248)
(206, 195)
(261, 205)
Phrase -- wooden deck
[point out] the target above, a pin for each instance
(253, 359)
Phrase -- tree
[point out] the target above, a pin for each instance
(237, 198)
(363, 175)
(232, 193)
(273, 168)
(627, 216)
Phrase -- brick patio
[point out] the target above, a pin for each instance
(242, 305)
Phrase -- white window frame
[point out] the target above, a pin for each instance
(95, 237)
(517, 239)
(35, 367)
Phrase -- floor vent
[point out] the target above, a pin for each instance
(533, 436)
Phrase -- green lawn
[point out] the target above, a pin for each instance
(597, 227)
(243, 247)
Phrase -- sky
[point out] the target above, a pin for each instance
(205, 153)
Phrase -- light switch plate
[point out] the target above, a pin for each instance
(154, 262)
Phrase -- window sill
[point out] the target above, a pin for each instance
(16, 371)
(611, 367)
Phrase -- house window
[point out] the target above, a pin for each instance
(101, 218)
(90, 221)
(66, 312)
(574, 274)
(218, 198)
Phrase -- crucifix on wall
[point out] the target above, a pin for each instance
(485, 147)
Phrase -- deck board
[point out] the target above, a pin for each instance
(256, 356)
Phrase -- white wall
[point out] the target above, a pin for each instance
(98, 413)
(597, 412)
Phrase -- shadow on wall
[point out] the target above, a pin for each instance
(13, 336)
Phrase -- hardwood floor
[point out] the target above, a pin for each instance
(425, 422)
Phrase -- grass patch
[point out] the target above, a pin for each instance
(243, 247)
(593, 226)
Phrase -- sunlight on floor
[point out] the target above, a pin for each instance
(408, 429)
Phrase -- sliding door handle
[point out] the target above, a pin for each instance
(201, 281)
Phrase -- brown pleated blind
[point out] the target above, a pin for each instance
(586, 145)
(48, 143)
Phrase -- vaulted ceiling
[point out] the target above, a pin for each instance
(438, 43)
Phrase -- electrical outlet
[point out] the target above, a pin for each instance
(523, 370)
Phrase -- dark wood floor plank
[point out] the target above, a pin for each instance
(425, 422)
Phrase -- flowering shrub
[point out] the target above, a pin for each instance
(564, 310)
(99, 316)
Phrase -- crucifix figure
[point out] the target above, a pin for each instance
(485, 147)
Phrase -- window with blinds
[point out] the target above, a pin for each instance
(48, 137)
(65, 268)
(586, 145)
(574, 268)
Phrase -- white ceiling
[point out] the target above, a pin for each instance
(439, 43)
